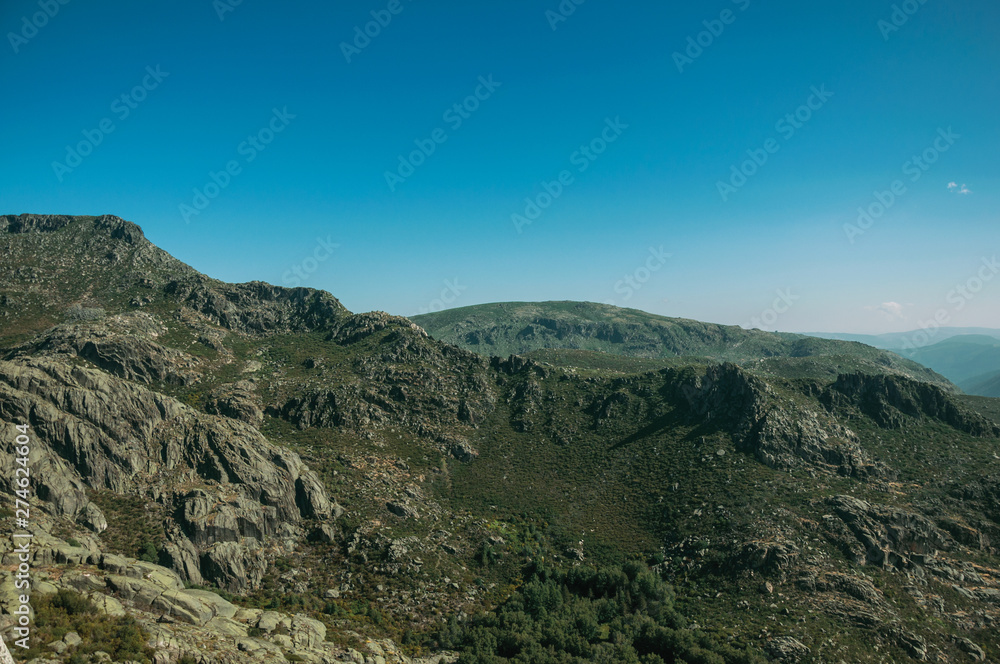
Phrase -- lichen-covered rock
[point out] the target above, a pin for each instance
(887, 537)
(234, 566)
(238, 401)
(976, 653)
(96, 429)
(767, 557)
(787, 649)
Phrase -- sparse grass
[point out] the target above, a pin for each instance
(135, 528)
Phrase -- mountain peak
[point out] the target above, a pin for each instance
(56, 263)
(116, 227)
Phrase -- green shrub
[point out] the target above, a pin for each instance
(68, 611)
(148, 552)
(134, 527)
(622, 614)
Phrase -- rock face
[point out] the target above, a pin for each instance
(767, 557)
(776, 437)
(238, 401)
(787, 649)
(125, 356)
(237, 566)
(886, 537)
(974, 651)
(888, 400)
(107, 433)
(34, 223)
(258, 308)
(199, 624)
(410, 380)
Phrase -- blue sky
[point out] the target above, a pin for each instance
(642, 137)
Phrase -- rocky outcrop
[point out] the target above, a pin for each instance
(767, 557)
(235, 566)
(106, 433)
(356, 327)
(408, 380)
(891, 400)
(883, 536)
(125, 356)
(238, 401)
(196, 623)
(257, 308)
(775, 436)
(34, 223)
(402, 509)
(783, 440)
(976, 653)
(787, 649)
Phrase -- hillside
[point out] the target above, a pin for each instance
(968, 357)
(967, 360)
(987, 385)
(523, 327)
(243, 472)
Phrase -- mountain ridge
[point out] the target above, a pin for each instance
(969, 357)
(524, 327)
(245, 471)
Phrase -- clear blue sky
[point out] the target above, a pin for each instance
(447, 227)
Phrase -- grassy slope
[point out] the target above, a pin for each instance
(518, 327)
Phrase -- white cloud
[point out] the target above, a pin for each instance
(891, 310)
(954, 188)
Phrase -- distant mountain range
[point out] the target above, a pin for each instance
(904, 340)
(967, 356)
